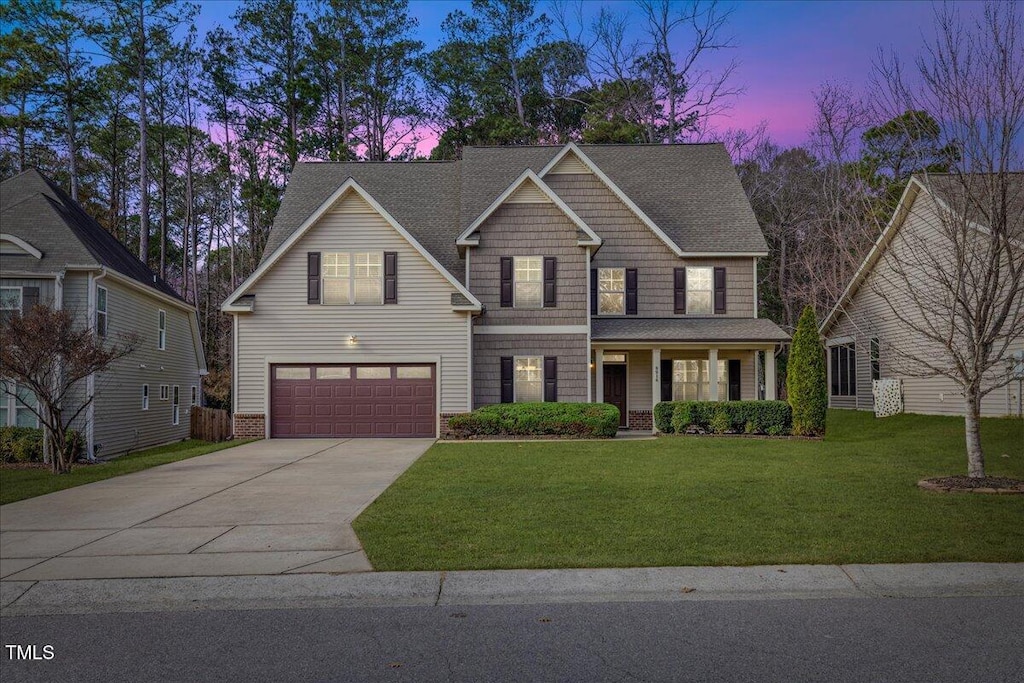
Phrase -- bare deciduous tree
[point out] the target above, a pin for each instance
(47, 352)
(957, 285)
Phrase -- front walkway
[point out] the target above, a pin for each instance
(269, 507)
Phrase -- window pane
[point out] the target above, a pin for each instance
(853, 370)
(697, 302)
(614, 358)
(373, 373)
(422, 372)
(368, 264)
(3, 412)
(528, 268)
(25, 418)
(529, 379)
(611, 279)
(336, 291)
(367, 291)
(293, 373)
(834, 362)
(10, 298)
(335, 265)
(333, 373)
(699, 279)
(529, 294)
(101, 299)
(611, 303)
(101, 324)
(163, 320)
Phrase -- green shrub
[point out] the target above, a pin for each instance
(750, 417)
(720, 421)
(806, 387)
(576, 420)
(21, 444)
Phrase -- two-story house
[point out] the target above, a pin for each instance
(52, 253)
(394, 295)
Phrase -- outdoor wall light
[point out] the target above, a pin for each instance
(352, 339)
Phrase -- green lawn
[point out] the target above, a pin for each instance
(18, 484)
(702, 501)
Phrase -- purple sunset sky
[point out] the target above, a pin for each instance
(785, 49)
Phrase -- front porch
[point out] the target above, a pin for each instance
(636, 374)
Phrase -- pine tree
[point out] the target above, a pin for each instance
(805, 378)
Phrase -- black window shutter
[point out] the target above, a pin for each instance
(29, 299)
(734, 379)
(630, 291)
(550, 379)
(550, 275)
(506, 281)
(313, 277)
(593, 292)
(666, 380)
(391, 277)
(507, 387)
(679, 284)
(719, 290)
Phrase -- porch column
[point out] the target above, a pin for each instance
(655, 381)
(712, 374)
(599, 374)
(769, 374)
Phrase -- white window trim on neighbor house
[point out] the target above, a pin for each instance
(611, 291)
(161, 340)
(707, 304)
(837, 366)
(528, 282)
(145, 397)
(164, 392)
(354, 269)
(4, 299)
(102, 321)
(176, 406)
(11, 406)
(516, 379)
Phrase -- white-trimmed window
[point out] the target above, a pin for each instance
(353, 278)
(843, 361)
(145, 397)
(175, 407)
(529, 379)
(10, 301)
(101, 311)
(194, 396)
(162, 330)
(164, 392)
(700, 290)
(16, 406)
(611, 291)
(529, 281)
(691, 380)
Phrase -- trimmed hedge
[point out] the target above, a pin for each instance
(575, 420)
(747, 417)
(25, 444)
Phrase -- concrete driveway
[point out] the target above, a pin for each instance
(269, 507)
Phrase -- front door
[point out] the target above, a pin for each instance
(615, 389)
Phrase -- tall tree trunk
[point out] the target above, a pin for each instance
(22, 107)
(69, 123)
(972, 423)
(231, 195)
(143, 170)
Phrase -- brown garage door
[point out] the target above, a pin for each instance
(353, 401)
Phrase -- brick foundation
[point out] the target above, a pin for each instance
(642, 420)
(250, 426)
(443, 432)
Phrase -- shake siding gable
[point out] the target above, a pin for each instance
(629, 243)
(420, 325)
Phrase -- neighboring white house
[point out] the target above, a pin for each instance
(863, 335)
(52, 253)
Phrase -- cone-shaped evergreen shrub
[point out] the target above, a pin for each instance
(805, 377)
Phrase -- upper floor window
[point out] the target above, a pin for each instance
(611, 291)
(700, 290)
(101, 311)
(10, 302)
(843, 362)
(161, 341)
(529, 379)
(353, 278)
(529, 282)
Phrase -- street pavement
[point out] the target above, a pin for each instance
(835, 640)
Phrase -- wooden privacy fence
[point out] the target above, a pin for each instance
(210, 424)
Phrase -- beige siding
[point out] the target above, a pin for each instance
(530, 230)
(869, 315)
(120, 422)
(571, 350)
(421, 325)
(629, 243)
(528, 193)
(570, 163)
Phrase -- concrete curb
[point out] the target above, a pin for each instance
(506, 587)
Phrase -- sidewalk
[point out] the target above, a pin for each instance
(507, 587)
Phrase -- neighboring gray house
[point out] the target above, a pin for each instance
(394, 295)
(864, 337)
(52, 253)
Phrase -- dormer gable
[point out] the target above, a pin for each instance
(12, 245)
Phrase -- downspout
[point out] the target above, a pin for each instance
(90, 381)
(590, 320)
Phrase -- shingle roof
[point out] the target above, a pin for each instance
(687, 330)
(691, 192)
(41, 213)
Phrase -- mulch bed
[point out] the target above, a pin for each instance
(963, 484)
